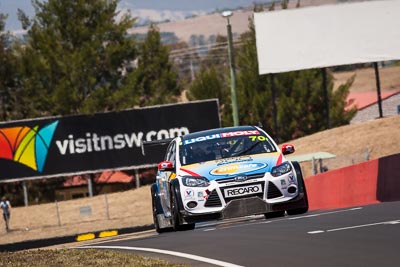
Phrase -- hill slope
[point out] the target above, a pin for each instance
(351, 142)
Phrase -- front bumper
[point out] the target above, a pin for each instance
(246, 207)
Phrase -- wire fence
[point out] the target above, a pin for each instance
(108, 211)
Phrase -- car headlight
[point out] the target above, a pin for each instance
(281, 169)
(194, 181)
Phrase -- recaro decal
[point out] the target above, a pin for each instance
(27, 146)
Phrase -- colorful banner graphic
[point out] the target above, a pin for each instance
(27, 146)
(69, 145)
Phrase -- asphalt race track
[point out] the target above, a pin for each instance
(358, 236)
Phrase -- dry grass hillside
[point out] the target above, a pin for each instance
(350, 143)
(215, 24)
(132, 208)
(365, 79)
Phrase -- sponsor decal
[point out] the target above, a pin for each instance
(234, 160)
(283, 184)
(240, 133)
(201, 139)
(27, 146)
(291, 179)
(220, 135)
(242, 191)
(237, 168)
(189, 193)
(200, 196)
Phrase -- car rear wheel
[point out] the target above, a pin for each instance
(156, 206)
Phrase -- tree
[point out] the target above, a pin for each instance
(7, 70)
(209, 84)
(76, 58)
(157, 79)
(212, 80)
(254, 95)
(185, 59)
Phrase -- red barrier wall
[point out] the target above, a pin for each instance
(346, 187)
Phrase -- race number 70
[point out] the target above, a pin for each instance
(258, 138)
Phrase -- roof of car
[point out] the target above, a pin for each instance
(216, 131)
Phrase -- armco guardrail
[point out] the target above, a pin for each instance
(361, 184)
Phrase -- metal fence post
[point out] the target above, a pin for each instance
(107, 207)
(367, 154)
(58, 214)
(314, 168)
(137, 178)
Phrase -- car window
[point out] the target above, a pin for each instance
(223, 146)
(171, 153)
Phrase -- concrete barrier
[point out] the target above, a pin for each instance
(366, 183)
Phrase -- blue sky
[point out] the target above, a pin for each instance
(10, 7)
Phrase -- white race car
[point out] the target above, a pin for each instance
(225, 173)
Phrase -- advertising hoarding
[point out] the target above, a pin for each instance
(57, 146)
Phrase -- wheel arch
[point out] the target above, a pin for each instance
(176, 189)
(155, 197)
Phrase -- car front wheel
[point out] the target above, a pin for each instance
(302, 185)
(176, 219)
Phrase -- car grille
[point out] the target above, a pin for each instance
(213, 200)
(260, 195)
(249, 177)
(273, 191)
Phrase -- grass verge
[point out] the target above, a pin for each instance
(78, 257)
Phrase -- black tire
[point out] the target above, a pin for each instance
(157, 209)
(275, 214)
(177, 220)
(302, 188)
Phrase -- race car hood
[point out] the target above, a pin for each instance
(223, 168)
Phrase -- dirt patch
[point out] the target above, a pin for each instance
(125, 209)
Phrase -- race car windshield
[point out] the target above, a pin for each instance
(203, 149)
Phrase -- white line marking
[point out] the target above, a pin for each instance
(209, 229)
(363, 225)
(354, 227)
(325, 213)
(394, 222)
(315, 232)
(168, 252)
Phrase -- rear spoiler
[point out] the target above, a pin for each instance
(161, 142)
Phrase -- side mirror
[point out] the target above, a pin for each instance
(287, 149)
(165, 166)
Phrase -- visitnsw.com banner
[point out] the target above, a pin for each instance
(58, 146)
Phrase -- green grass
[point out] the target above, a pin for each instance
(78, 257)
